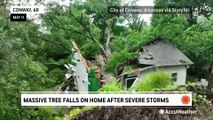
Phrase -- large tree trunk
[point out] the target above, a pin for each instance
(109, 38)
(100, 60)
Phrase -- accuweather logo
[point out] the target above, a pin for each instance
(185, 100)
(177, 111)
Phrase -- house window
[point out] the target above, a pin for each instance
(129, 82)
(174, 77)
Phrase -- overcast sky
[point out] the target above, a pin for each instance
(145, 17)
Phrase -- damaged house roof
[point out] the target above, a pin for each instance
(162, 53)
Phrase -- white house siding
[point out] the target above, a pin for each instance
(180, 70)
(181, 73)
(80, 73)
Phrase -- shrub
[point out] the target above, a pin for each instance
(156, 80)
(75, 112)
(114, 87)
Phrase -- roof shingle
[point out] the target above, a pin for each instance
(162, 53)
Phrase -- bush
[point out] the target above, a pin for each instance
(156, 80)
(114, 87)
(75, 112)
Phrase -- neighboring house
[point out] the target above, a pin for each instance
(157, 55)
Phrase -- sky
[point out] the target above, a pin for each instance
(145, 17)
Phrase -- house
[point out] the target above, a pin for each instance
(86, 76)
(157, 55)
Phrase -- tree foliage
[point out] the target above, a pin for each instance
(23, 67)
(192, 38)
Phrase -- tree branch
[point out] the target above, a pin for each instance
(130, 23)
(53, 42)
(109, 37)
(91, 36)
(69, 29)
